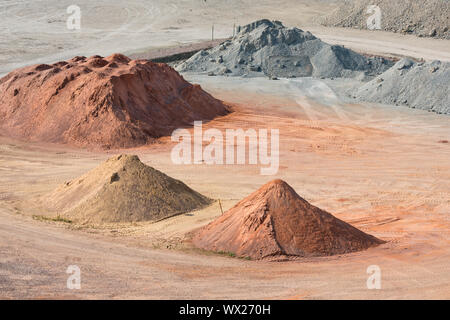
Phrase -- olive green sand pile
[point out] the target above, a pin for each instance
(123, 189)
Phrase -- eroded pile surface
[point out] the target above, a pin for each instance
(268, 48)
(111, 102)
(123, 189)
(275, 222)
(416, 85)
(425, 18)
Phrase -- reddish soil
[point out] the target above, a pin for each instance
(275, 222)
(112, 102)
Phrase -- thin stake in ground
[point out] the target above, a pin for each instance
(220, 204)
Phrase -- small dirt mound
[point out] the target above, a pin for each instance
(111, 102)
(268, 48)
(275, 222)
(123, 189)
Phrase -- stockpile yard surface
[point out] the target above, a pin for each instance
(226, 150)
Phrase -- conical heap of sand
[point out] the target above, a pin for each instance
(111, 102)
(123, 189)
(275, 222)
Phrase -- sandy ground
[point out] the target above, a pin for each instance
(383, 169)
(385, 43)
(36, 32)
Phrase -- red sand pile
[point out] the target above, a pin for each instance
(111, 102)
(275, 222)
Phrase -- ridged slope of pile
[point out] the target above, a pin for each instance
(268, 48)
(417, 85)
(111, 102)
(425, 18)
(275, 222)
(123, 189)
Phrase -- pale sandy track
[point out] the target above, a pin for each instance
(385, 43)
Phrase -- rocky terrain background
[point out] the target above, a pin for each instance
(428, 18)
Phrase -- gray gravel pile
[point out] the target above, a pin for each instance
(416, 85)
(268, 48)
(424, 18)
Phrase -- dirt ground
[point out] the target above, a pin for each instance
(36, 32)
(385, 170)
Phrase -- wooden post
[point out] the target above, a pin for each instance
(220, 204)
